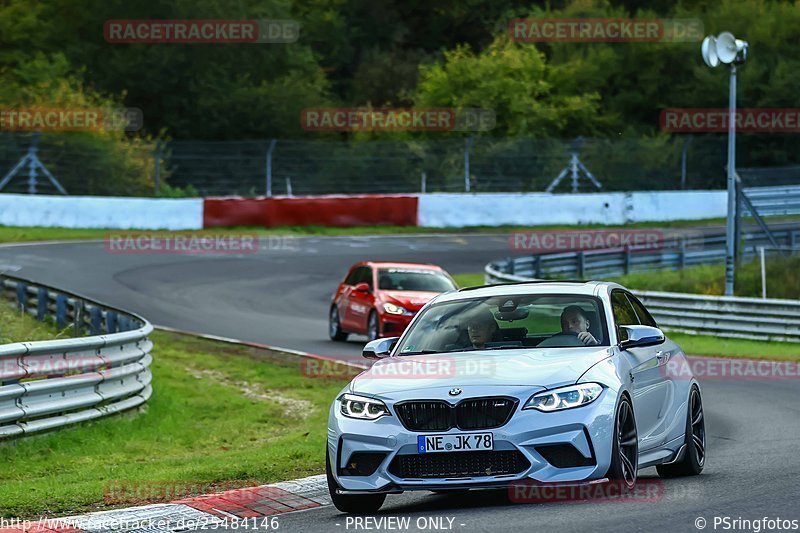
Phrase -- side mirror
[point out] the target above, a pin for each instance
(362, 287)
(379, 348)
(639, 336)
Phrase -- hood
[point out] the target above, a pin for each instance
(524, 367)
(411, 300)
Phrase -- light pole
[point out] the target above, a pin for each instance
(725, 48)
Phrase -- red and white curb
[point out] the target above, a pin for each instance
(227, 509)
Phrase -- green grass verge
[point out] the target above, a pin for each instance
(28, 234)
(469, 280)
(729, 347)
(220, 416)
(782, 274)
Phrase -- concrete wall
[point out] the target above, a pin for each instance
(101, 212)
(538, 209)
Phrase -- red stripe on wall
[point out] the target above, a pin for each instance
(331, 211)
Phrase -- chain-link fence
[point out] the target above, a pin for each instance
(480, 164)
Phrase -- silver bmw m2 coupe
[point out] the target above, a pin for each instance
(539, 382)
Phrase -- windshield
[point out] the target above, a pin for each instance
(409, 279)
(507, 322)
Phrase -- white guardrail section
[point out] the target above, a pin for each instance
(724, 316)
(49, 384)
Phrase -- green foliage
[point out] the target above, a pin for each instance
(782, 273)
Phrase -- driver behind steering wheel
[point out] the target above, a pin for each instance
(575, 321)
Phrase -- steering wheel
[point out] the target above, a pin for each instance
(563, 339)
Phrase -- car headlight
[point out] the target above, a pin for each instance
(564, 397)
(361, 407)
(393, 309)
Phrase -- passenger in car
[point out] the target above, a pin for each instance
(574, 320)
(481, 328)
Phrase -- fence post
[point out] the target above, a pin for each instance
(537, 266)
(22, 296)
(467, 145)
(41, 304)
(793, 242)
(157, 169)
(510, 266)
(581, 259)
(111, 322)
(424, 185)
(95, 322)
(272, 144)
(61, 310)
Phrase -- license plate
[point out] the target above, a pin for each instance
(455, 443)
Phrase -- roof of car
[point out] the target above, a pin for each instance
(388, 264)
(585, 288)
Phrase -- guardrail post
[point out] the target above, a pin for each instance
(537, 266)
(124, 323)
(510, 266)
(682, 255)
(111, 322)
(95, 321)
(627, 264)
(22, 296)
(581, 266)
(793, 241)
(61, 310)
(41, 304)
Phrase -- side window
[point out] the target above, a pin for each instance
(352, 277)
(645, 318)
(366, 276)
(624, 314)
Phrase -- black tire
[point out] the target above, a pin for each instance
(351, 503)
(334, 327)
(694, 456)
(625, 448)
(373, 327)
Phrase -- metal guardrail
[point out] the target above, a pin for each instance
(49, 384)
(672, 254)
(727, 316)
(774, 201)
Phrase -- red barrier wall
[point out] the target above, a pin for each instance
(332, 211)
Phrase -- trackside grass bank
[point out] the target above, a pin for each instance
(28, 234)
(221, 416)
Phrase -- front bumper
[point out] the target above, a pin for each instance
(589, 429)
(394, 325)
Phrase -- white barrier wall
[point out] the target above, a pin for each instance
(538, 209)
(101, 212)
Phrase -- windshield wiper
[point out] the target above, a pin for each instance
(421, 352)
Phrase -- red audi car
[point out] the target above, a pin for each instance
(380, 299)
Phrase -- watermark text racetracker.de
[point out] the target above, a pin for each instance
(644, 240)
(50, 119)
(196, 243)
(613, 30)
(397, 119)
(201, 31)
(431, 367)
(646, 490)
(715, 120)
(722, 369)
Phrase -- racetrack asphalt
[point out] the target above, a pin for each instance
(280, 297)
